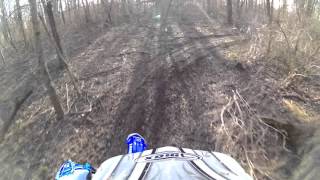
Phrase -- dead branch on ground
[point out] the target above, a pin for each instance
(243, 132)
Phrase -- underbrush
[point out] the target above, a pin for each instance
(287, 54)
(292, 46)
(243, 134)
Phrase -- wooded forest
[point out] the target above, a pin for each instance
(240, 77)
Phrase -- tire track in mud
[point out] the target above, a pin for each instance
(133, 113)
(185, 78)
(153, 105)
(171, 79)
(143, 102)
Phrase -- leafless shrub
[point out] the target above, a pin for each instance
(244, 135)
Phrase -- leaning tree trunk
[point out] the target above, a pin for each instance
(43, 8)
(20, 22)
(54, 30)
(42, 67)
(165, 8)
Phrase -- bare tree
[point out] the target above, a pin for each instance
(45, 77)
(209, 6)
(238, 9)
(108, 9)
(229, 12)
(43, 7)
(54, 31)
(285, 6)
(165, 7)
(85, 6)
(62, 13)
(4, 21)
(55, 6)
(269, 7)
(5, 25)
(61, 56)
(20, 22)
(68, 8)
(2, 57)
(310, 7)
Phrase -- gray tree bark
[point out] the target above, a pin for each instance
(2, 57)
(20, 22)
(55, 6)
(310, 7)
(107, 7)
(85, 6)
(61, 56)
(62, 13)
(5, 25)
(43, 72)
(4, 21)
(52, 23)
(269, 7)
(229, 12)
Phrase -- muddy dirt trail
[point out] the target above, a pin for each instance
(169, 86)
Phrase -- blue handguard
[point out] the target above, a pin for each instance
(136, 143)
(74, 171)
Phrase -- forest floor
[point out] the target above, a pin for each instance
(170, 86)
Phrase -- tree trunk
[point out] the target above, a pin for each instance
(125, 11)
(2, 57)
(54, 30)
(209, 6)
(20, 22)
(42, 67)
(239, 10)
(78, 4)
(310, 7)
(62, 13)
(269, 10)
(86, 11)
(5, 25)
(43, 4)
(107, 7)
(229, 12)
(55, 6)
(4, 21)
(165, 8)
(87, 8)
(62, 57)
(68, 9)
(285, 5)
